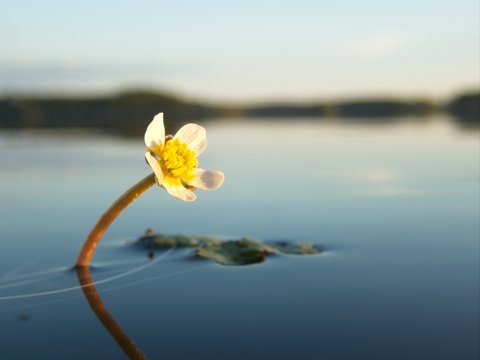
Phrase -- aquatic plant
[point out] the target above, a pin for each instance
(243, 251)
(173, 160)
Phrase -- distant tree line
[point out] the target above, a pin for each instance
(126, 113)
(359, 108)
(130, 112)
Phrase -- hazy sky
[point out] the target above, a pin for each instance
(242, 50)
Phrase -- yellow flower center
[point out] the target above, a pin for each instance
(176, 160)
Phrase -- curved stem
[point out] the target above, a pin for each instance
(96, 304)
(111, 214)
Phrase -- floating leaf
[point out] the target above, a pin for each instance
(294, 249)
(233, 252)
(238, 252)
(172, 241)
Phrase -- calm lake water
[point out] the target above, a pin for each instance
(395, 207)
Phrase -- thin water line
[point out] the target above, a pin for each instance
(57, 271)
(162, 276)
(35, 274)
(110, 288)
(21, 282)
(118, 262)
(8, 275)
(45, 293)
(13, 284)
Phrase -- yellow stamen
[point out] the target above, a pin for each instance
(176, 160)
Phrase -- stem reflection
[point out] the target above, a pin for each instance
(96, 304)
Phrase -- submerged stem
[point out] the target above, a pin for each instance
(111, 214)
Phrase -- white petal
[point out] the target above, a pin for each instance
(179, 191)
(155, 134)
(155, 167)
(194, 136)
(206, 179)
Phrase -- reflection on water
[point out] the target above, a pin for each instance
(96, 303)
(396, 206)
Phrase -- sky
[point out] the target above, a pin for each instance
(242, 51)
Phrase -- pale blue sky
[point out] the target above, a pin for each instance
(242, 50)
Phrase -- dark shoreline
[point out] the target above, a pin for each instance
(129, 112)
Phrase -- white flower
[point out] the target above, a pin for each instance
(174, 160)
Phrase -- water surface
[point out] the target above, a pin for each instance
(395, 206)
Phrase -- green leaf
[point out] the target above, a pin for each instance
(172, 241)
(238, 252)
(233, 252)
(294, 249)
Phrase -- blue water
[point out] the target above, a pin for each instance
(395, 207)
